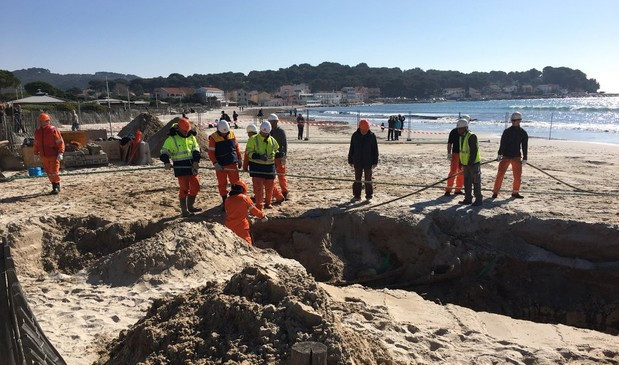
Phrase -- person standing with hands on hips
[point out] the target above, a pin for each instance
(363, 157)
(49, 147)
(183, 149)
(509, 154)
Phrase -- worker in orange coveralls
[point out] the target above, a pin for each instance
(49, 146)
(238, 207)
(224, 153)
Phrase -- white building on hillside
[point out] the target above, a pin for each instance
(209, 92)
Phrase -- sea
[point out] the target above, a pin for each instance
(591, 119)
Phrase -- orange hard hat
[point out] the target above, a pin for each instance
(364, 126)
(184, 125)
(44, 117)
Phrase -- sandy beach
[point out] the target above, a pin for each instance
(417, 281)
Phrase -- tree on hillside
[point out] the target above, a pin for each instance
(7, 79)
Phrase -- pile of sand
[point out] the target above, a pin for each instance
(254, 318)
(156, 141)
(147, 123)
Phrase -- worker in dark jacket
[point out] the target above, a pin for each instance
(470, 159)
(280, 158)
(509, 154)
(363, 156)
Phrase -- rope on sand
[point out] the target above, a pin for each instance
(330, 178)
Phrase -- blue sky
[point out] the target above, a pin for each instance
(156, 38)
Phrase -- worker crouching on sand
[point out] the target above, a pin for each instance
(183, 149)
(363, 156)
(261, 150)
(224, 153)
(49, 146)
(470, 158)
(238, 207)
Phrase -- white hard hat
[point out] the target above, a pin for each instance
(265, 127)
(516, 115)
(462, 123)
(223, 127)
(465, 116)
(273, 117)
(252, 128)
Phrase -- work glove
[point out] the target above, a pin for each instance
(499, 157)
(524, 162)
(265, 219)
(218, 167)
(195, 165)
(239, 164)
(257, 156)
(168, 166)
(60, 157)
(283, 161)
(449, 156)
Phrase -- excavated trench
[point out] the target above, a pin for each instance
(549, 271)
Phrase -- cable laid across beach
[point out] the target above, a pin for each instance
(329, 178)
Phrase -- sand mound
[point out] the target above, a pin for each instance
(125, 253)
(255, 318)
(156, 141)
(147, 123)
(204, 247)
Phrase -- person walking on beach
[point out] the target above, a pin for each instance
(300, 126)
(470, 158)
(363, 157)
(17, 120)
(453, 155)
(280, 159)
(391, 127)
(512, 139)
(224, 116)
(235, 116)
(397, 126)
(261, 150)
(49, 147)
(75, 123)
(238, 207)
(401, 118)
(224, 153)
(183, 149)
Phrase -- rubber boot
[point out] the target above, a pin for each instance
(54, 189)
(191, 200)
(184, 211)
(223, 203)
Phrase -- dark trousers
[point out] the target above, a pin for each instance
(472, 176)
(300, 127)
(356, 186)
(390, 134)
